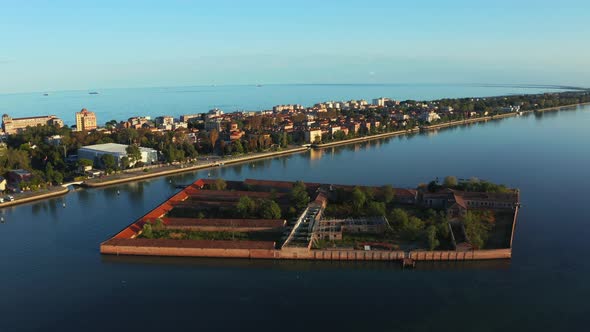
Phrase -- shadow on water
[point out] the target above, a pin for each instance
(548, 114)
(110, 191)
(48, 206)
(135, 190)
(303, 265)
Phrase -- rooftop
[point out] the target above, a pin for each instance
(111, 148)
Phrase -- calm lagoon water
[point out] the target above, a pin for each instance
(52, 276)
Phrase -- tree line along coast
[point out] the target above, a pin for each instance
(44, 155)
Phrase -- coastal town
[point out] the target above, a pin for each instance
(453, 220)
(41, 154)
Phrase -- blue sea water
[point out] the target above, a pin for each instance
(120, 104)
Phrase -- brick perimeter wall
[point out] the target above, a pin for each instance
(350, 255)
(461, 255)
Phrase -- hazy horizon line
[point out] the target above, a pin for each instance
(514, 85)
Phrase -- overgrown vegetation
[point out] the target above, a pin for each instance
(473, 184)
(258, 208)
(157, 230)
(478, 225)
(406, 223)
(299, 196)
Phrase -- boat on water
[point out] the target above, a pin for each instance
(259, 85)
(92, 93)
(46, 94)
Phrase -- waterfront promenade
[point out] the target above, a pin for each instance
(139, 174)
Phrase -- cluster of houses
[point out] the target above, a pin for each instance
(312, 124)
(282, 124)
(13, 178)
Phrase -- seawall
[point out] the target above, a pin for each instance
(36, 197)
(304, 253)
(138, 177)
(366, 138)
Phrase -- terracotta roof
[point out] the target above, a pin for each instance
(460, 201)
(405, 192)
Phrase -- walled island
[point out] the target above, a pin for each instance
(457, 219)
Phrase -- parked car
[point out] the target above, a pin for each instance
(1, 200)
(9, 198)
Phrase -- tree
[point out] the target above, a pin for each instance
(147, 231)
(125, 162)
(189, 150)
(58, 177)
(49, 172)
(133, 153)
(158, 224)
(14, 158)
(450, 181)
(411, 231)
(376, 208)
(388, 193)
(284, 140)
(358, 198)
(238, 147)
(269, 209)
(431, 237)
(477, 230)
(85, 162)
(108, 161)
(127, 136)
(219, 184)
(213, 137)
(246, 207)
(317, 139)
(299, 195)
(399, 217)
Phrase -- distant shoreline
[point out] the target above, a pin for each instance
(480, 85)
(139, 175)
(440, 126)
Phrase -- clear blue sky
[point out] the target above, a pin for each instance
(57, 44)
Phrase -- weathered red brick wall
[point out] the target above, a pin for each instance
(461, 255)
(224, 229)
(303, 253)
(185, 252)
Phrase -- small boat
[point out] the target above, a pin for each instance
(46, 94)
(92, 93)
(259, 85)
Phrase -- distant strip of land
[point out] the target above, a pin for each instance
(258, 146)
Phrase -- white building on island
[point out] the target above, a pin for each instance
(93, 152)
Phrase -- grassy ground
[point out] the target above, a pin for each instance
(199, 235)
